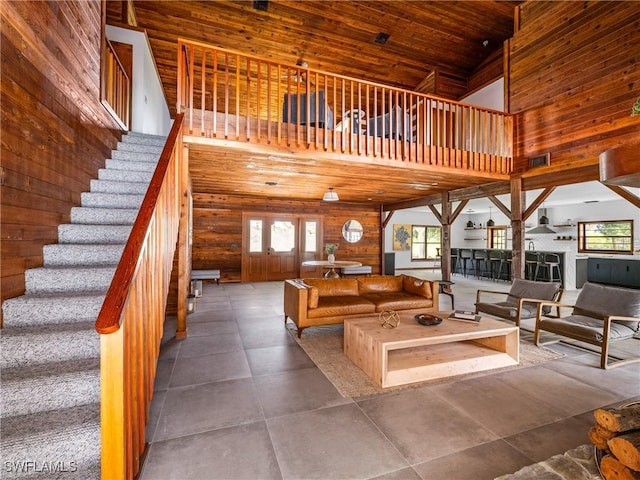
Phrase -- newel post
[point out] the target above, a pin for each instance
(184, 238)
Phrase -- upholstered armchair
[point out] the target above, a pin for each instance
(520, 301)
(601, 315)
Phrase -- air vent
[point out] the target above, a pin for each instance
(540, 161)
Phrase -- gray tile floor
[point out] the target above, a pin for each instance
(238, 399)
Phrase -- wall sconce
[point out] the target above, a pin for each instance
(191, 303)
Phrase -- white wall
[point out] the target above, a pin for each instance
(150, 113)
(491, 96)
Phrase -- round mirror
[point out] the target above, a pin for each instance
(352, 231)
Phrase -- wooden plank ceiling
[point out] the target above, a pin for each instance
(448, 38)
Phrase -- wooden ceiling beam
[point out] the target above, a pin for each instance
(501, 206)
(626, 194)
(481, 191)
(456, 213)
(537, 202)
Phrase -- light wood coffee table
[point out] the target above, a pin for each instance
(413, 353)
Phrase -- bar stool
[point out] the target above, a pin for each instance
(455, 261)
(549, 261)
(495, 262)
(437, 262)
(505, 265)
(480, 261)
(465, 259)
(530, 262)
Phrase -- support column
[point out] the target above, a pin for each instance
(445, 220)
(518, 204)
(184, 240)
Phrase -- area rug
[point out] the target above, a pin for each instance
(325, 348)
(576, 464)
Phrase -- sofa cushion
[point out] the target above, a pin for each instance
(416, 286)
(336, 305)
(312, 298)
(582, 327)
(600, 300)
(397, 301)
(508, 309)
(379, 283)
(530, 289)
(331, 287)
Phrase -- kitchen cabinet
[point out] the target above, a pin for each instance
(613, 271)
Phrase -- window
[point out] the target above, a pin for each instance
(615, 236)
(425, 242)
(255, 236)
(310, 236)
(497, 237)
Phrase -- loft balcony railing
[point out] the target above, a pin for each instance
(116, 88)
(232, 96)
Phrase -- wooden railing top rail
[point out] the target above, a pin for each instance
(110, 315)
(182, 43)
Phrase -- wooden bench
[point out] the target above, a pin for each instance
(361, 270)
(206, 275)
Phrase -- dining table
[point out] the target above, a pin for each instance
(331, 266)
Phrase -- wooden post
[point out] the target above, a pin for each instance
(445, 220)
(112, 399)
(518, 204)
(184, 239)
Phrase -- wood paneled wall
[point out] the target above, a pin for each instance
(217, 230)
(574, 72)
(55, 132)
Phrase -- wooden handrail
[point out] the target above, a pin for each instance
(131, 319)
(233, 96)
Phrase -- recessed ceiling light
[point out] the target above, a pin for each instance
(379, 192)
(262, 5)
(382, 38)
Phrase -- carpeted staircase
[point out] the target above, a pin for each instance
(50, 358)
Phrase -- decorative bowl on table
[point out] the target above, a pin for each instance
(427, 319)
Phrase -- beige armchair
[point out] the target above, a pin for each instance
(601, 315)
(521, 300)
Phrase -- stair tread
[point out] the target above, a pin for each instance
(53, 328)
(49, 386)
(80, 268)
(51, 371)
(56, 431)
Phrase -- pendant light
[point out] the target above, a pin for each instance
(490, 222)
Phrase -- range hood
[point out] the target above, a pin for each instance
(543, 223)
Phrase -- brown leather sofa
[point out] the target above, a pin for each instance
(319, 301)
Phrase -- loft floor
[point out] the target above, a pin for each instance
(239, 399)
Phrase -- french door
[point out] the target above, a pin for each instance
(275, 245)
